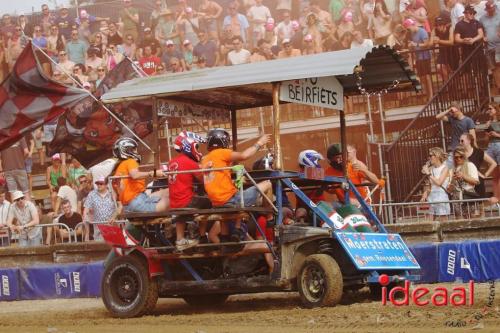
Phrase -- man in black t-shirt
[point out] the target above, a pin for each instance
(468, 32)
(71, 219)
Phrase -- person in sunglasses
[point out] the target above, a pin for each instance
(27, 218)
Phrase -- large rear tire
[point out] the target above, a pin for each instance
(126, 288)
(205, 300)
(320, 281)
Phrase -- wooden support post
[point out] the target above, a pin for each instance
(156, 149)
(234, 129)
(276, 127)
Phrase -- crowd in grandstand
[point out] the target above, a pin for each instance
(188, 35)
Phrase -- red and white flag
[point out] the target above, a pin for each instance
(28, 99)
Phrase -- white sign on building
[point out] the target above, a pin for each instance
(326, 92)
(174, 109)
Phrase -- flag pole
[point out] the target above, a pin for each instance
(92, 95)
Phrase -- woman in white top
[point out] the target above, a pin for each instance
(439, 179)
(465, 175)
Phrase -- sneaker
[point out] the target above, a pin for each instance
(185, 243)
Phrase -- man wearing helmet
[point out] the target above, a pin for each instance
(218, 184)
(131, 190)
(357, 171)
(181, 186)
(308, 158)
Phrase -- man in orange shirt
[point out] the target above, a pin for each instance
(218, 184)
(131, 190)
(357, 171)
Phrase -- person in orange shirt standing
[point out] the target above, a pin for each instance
(218, 184)
(357, 172)
(131, 190)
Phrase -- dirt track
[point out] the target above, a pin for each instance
(262, 313)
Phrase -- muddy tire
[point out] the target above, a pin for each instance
(126, 288)
(320, 281)
(205, 300)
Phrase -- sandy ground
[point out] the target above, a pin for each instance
(262, 313)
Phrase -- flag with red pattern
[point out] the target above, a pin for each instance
(28, 99)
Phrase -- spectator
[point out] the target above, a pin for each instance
(345, 25)
(66, 67)
(314, 29)
(491, 22)
(4, 208)
(65, 23)
(200, 63)
(324, 18)
(75, 171)
(55, 171)
(159, 6)
(270, 33)
(379, 27)
(456, 11)
(175, 66)
(419, 39)
(442, 37)
(129, 18)
(129, 48)
(71, 219)
(344, 43)
(114, 36)
(101, 74)
(26, 216)
(39, 148)
(237, 23)
(12, 167)
(8, 28)
(55, 42)
(149, 40)
(465, 176)
(284, 28)
(459, 123)
(167, 29)
(48, 19)
(4, 67)
(15, 46)
(207, 49)
(100, 206)
(468, 32)
(40, 43)
(187, 25)
(84, 15)
(161, 69)
(336, 9)
(477, 156)
(209, 13)
(76, 48)
(172, 52)
(84, 32)
(92, 63)
(439, 178)
(65, 192)
(417, 11)
(493, 131)
(187, 52)
(80, 74)
(397, 39)
(309, 45)
(102, 169)
(98, 45)
(297, 36)
(258, 14)
(112, 57)
(239, 55)
(28, 159)
(26, 26)
(83, 190)
(262, 52)
(359, 41)
(288, 51)
(149, 61)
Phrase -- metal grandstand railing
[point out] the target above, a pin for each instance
(468, 85)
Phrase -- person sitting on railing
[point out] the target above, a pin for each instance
(308, 158)
(182, 186)
(26, 214)
(70, 218)
(218, 184)
(100, 206)
(439, 178)
(357, 172)
(465, 178)
(131, 190)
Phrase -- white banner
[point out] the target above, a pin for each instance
(167, 108)
(326, 92)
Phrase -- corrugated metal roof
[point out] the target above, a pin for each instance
(247, 85)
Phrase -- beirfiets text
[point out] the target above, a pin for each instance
(326, 92)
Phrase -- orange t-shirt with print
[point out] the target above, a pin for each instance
(356, 177)
(129, 188)
(218, 184)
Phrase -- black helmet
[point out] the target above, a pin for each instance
(218, 138)
(125, 148)
(334, 149)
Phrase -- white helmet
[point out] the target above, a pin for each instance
(310, 158)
